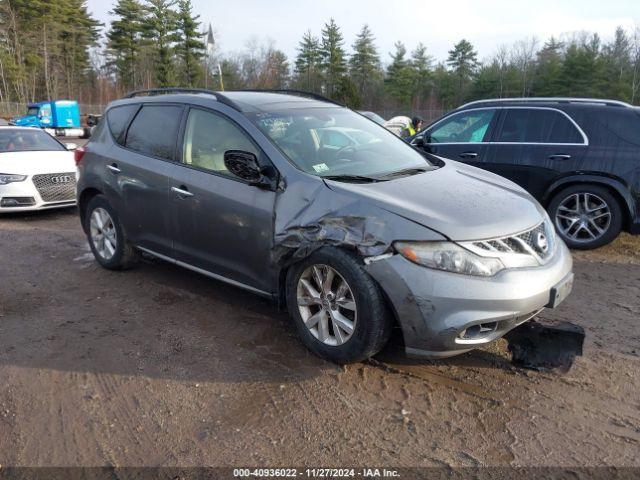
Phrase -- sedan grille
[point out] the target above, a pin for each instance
(539, 242)
(56, 187)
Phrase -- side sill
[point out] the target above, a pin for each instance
(207, 273)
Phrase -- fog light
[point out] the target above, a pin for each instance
(17, 202)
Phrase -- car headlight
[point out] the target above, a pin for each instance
(449, 257)
(10, 178)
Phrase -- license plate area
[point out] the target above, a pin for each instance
(561, 291)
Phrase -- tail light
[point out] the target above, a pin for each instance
(78, 154)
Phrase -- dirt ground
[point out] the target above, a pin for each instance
(159, 366)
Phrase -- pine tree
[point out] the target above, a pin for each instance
(617, 64)
(307, 65)
(332, 57)
(159, 29)
(463, 61)
(399, 81)
(420, 65)
(347, 93)
(189, 47)
(364, 64)
(583, 72)
(124, 40)
(446, 85)
(46, 47)
(231, 75)
(78, 31)
(547, 76)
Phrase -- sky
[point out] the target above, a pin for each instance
(438, 24)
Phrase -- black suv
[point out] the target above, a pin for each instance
(580, 158)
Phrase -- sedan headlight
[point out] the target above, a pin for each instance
(10, 178)
(449, 257)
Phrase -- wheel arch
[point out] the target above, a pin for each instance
(83, 201)
(615, 186)
(281, 295)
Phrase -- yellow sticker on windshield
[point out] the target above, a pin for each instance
(321, 167)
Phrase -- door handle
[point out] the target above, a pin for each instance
(182, 191)
(559, 157)
(114, 168)
(468, 155)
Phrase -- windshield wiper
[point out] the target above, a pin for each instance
(351, 178)
(405, 172)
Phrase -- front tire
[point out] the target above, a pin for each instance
(586, 216)
(106, 236)
(338, 309)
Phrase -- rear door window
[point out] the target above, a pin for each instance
(118, 119)
(154, 130)
(466, 127)
(537, 125)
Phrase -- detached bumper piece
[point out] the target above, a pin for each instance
(546, 347)
(13, 202)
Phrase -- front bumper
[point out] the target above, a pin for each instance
(24, 197)
(444, 314)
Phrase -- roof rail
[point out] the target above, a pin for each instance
(601, 101)
(166, 91)
(300, 93)
(176, 90)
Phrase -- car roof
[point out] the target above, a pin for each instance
(543, 101)
(242, 101)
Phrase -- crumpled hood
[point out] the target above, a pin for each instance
(459, 201)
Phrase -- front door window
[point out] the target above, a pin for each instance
(466, 127)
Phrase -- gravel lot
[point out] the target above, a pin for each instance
(159, 366)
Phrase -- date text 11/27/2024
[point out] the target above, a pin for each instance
(316, 472)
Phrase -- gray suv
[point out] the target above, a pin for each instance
(317, 207)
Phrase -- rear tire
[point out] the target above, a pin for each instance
(586, 216)
(106, 236)
(351, 307)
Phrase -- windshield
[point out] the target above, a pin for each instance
(27, 140)
(33, 111)
(338, 142)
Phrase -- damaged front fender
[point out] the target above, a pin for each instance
(308, 219)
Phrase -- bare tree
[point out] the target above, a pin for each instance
(502, 62)
(522, 56)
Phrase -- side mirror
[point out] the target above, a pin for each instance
(71, 146)
(418, 141)
(245, 165)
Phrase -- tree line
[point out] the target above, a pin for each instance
(51, 49)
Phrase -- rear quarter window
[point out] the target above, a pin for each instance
(618, 124)
(118, 119)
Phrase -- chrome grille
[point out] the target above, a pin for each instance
(56, 187)
(539, 242)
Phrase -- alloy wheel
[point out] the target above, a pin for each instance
(583, 217)
(327, 305)
(103, 233)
